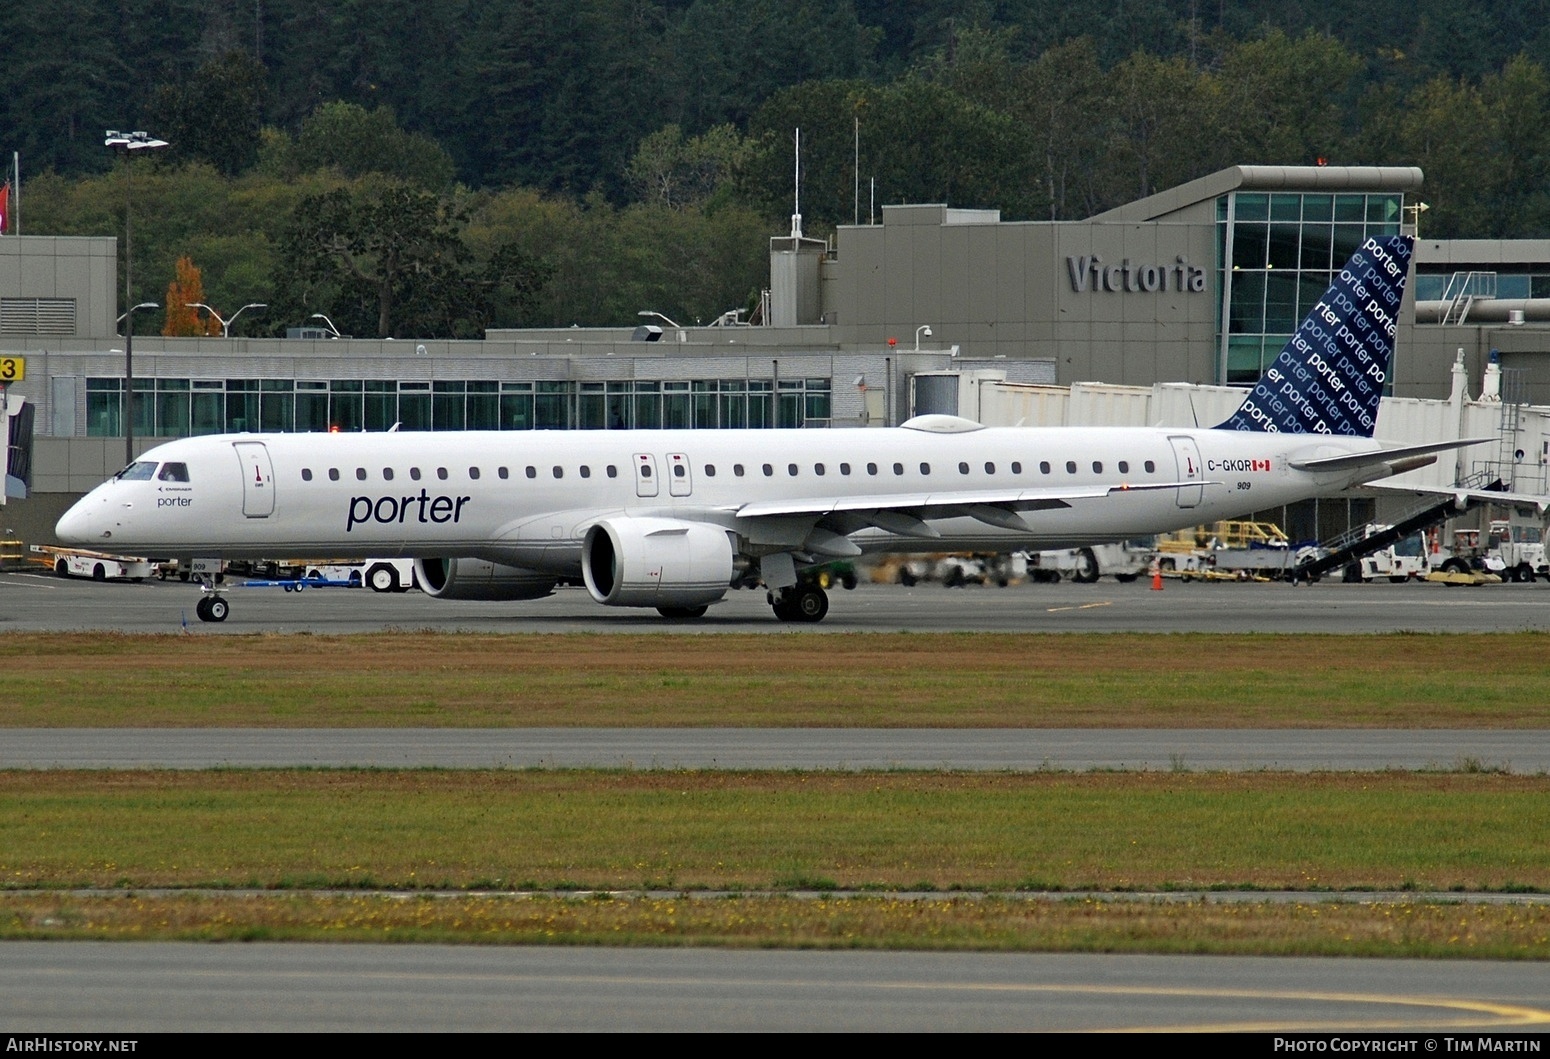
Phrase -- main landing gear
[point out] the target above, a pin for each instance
(212, 606)
(800, 602)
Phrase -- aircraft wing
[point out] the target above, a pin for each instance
(905, 513)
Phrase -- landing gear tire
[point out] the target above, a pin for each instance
(804, 603)
(382, 578)
(212, 608)
(1086, 572)
(677, 612)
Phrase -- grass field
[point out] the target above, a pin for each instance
(1383, 928)
(256, 854)
(841, 680)
(589, 830)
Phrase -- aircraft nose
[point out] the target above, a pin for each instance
(78, 525)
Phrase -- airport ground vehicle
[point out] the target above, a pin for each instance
(1405, 559)
(100, 566)
(1126, 561)
(1514, 551)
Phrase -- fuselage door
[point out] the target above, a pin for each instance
(679, 482)
(257, 479)
(1187, 454)
(645, 474)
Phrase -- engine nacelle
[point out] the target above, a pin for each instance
(657, 562)
(481, 579)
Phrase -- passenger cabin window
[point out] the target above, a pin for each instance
(360, 474)
(333, 474)
(1044, 467)
(925, 468)
(963, 468)
(473, 472)
(1151, 468)
(503, 472)
(173, 472)
(387, 474)
(871, 468)
(1017, 467)
(532, 472)
(898, 468)
(559, 472)
(791, 469)
(645, 470)
(613, 472)
(1124, 467)
(441, 472)
(818, 469)
(586, 472)
(710, 470)
(414, 473)
(1070, 466)
(306, 474)
(679, 470)
(1097, 467)
(845, 468)
(990, 468)
(768, 470)
(737, 469)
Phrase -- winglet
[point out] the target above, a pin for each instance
(1329, 378)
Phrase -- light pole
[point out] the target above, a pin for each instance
(319, 316)
(923, 329)
(226, 324)
(128, 320)
(683, 336)
(128, 143)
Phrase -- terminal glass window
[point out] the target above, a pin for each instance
(183, 407)
(1279, 252)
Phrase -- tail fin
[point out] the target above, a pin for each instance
(1329, 378)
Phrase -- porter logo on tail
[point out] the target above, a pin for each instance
(1329, 378)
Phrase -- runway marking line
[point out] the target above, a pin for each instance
(1083, 606)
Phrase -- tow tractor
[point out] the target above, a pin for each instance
(99, 566)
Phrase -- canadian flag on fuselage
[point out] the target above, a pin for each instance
(1329, 378)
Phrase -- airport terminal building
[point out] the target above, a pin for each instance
(930, 310)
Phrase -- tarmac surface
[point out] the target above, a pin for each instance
(128, 988)
(44, 602)
(997, 749)
(125, 989)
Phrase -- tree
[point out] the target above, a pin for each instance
(675, 172)
(214, 116)
(187, 288)
(357, 142)
(387, 258)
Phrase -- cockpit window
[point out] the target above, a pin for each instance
(139, 471)
(173, 472)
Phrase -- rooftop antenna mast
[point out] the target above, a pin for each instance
(796, 217)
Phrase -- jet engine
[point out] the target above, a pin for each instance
(480, 579)
(657, 562)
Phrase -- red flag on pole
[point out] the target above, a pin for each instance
(5, 208)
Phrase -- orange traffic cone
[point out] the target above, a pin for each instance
(1156, 576)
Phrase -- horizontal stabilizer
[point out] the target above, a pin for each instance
(1399, 459)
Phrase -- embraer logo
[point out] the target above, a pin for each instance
(1237, 465)
(396, 510)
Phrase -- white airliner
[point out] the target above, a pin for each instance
(672, 519)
